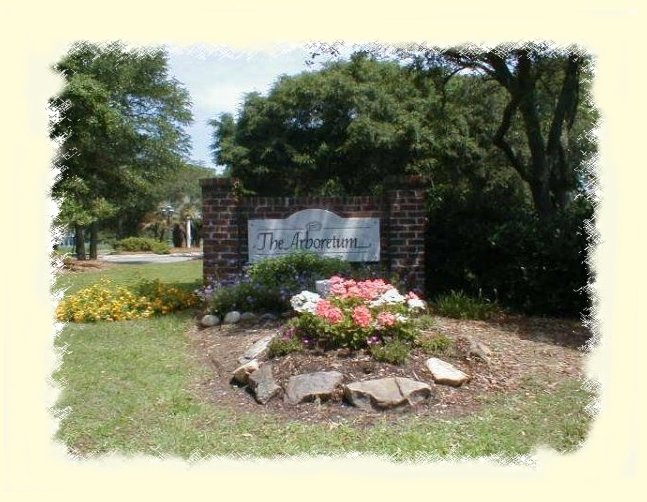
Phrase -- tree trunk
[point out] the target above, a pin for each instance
(94, 240)
(541, 198)
(79, 241)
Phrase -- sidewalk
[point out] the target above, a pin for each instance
(138, 258)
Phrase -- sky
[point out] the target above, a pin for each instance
(217, 79)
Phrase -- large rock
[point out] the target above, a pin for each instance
(480, 351)
(209, 320)
(241, 374)
(268, 317)
(248, 317)
(385, 393)
(257, 350)
(446, 374)
(323, 287)
(263, 385)
(310, 386)
(231, 317)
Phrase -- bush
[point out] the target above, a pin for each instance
(436, 345)
(104, 302)
(142, 244)
(268, 285)
(393, 352)
(296, 272)
(285, 344)
(355, 315)
(492, 243)
(247, 296)
(461, 306)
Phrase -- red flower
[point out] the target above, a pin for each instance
(362, 316)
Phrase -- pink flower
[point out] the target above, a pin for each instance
(362, 316)
(412, 296)
(386, 319)
(330, 313)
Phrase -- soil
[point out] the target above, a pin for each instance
(74, 265)
(522, 349)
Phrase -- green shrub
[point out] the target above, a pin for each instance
(282, 345)
(424, 322)
(394, 352)
(142, 244)
(247, 296)
(461, 306)
(437, 344)
(489, 241)
(297, 272)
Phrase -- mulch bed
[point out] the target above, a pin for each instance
(547, 350)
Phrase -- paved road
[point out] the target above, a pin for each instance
(150, 258)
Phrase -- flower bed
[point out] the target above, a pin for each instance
(105, 302)
(354, 314)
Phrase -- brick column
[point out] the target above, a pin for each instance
(407, 222)
(220, 214)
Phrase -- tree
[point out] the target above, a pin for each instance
(546, 91)
(120, 124)
(340, 130)
(543, 124)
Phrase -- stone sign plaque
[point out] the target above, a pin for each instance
(318, 231)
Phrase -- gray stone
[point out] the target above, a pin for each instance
(323, 287)
(480, 351)
(231, 317)
(446, 374)
(248, 317)
(267, 317)
(310, 386)
(209, 320)
(263, 385)
(385, 393)
(241, 374)
(257, 350)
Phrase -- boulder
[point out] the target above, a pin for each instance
(446, 374)
(263, 385)
(323, 287)
(310, 386)
(248, 317)
(257, 350)
(386, 393)
(241, 374)
(480, 351)
(231, 317)
(268, 317)
(209, 320)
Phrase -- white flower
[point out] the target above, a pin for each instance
(389, 297)
(305, 301)
(415, 304)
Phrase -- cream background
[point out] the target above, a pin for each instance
(34, 36)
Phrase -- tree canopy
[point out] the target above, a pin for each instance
(339, 130)
(542, 127)
(119, 121)
(443, 114)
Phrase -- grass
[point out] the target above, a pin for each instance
(460, 306)
(127, 387)
(186, 274)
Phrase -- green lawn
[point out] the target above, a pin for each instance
(187, 274)
(126, 387)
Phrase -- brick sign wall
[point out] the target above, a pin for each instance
(401, 214)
